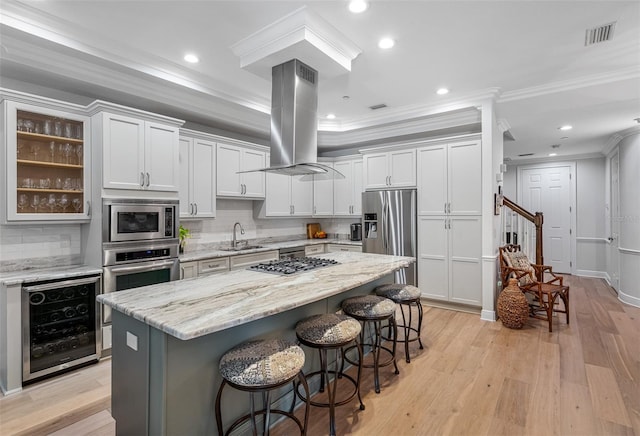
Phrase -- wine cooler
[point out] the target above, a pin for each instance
(60, 326)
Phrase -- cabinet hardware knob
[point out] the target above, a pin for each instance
(147, 180)
(142, 179)
(196, 207)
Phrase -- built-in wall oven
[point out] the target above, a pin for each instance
(60, 325)
(139, 248)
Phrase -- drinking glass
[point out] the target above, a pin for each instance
(28, 126)
(58, 184)
(35, 149)
(37, 128)
(20, 147)
(77, 204)
(67, 152)
(79, 153)
(68, 184)
(23, 201)
(46, 128)
(64, 202)
(68, 129)
(45, 183)
(52, 150)
(57, 128)
(20, 124)
(35, 202)
(51, 202)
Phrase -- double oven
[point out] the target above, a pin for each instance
(139, 247)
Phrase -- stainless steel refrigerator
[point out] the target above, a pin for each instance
(389, 220)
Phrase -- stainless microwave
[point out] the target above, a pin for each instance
(139, 220)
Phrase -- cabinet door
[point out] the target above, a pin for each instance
(203, 187)
(323, 194)
(161, 157)
(188, 270)
(278, 198)
(343, 188)
(432, 180)
(356, 201)
(123, 152)
(464, 178)
(184, 191)
(376, 170)
(433, 265)
(465, 242)
(254, 183)
(402, 168)
(47, 172)
(228, 160)
(302, 195)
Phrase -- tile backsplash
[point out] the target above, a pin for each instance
(39, 246)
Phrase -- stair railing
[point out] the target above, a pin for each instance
(520, 227)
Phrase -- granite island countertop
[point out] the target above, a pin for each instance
(187, 309)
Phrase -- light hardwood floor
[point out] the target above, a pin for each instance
(472, 378)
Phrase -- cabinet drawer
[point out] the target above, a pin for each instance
(338, 247)
(313, 249)
(219, 264)
(244, 260)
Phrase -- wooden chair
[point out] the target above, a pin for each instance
(531, 280)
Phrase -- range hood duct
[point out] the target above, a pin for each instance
(294, 121)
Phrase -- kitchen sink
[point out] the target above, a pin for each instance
(241, 248)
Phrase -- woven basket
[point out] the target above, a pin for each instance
(513, 308)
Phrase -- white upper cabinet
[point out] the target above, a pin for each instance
(449, 179)
(347, 191)
(137, 153)
(230, 160)
(47, 171)
(323, 193)
(197, 178)
(390, 169)
(288, 196)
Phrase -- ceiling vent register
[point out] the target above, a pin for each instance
(599, 34)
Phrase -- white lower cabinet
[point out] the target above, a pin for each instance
(314, 249)
(245, 260)
(212, 266)
(188, 270)
(449, 258)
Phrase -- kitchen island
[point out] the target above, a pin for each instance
(168, 338)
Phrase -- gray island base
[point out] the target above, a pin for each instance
(168, 338)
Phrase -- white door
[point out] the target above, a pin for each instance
(465, 251)
(122, 152)
(302, 195)
(323, 194)
(548, 190)
(227, 166)
(433, 258)
(464, 178)
(203, 193)
(614, 214)
(162, 171)
(376, 170)
(356, 183)
(432, 180)
(254, 183)
(342, 188)
(278, 198)
(402, 168)
(184, 192)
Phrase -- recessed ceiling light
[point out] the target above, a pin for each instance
(331, 116)
(191, 58)
(357, 6)
(553, 154)
(442, 91)
(386, 43)
(566, 127)
(637, 120)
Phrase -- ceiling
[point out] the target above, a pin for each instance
(527, 56)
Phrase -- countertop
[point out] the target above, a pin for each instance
(54, 273)
(266, 246)
(187, 309)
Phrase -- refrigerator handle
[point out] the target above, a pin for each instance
(383, 230)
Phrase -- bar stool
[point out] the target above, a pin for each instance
(406, 296)
(331, 332)
(373, 309)
(261, 366)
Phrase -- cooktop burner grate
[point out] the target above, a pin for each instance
(292, 266)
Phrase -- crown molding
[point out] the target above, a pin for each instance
(617, 137)
(302, 35)
(567, 85)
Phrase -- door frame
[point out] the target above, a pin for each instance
(614, 223)
(572, 201)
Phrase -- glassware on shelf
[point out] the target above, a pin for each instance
(47, 127)
(37, 127)
(68, 184)
(79, 153)
(57, 128)
(52, 202)
(19, 150)
(68, 130)
(64, 202)
(78, 184)
(67, 152)
(23, 202)
(45, 183)
(58, 184)
(52, 151)
(35, 149)
(35, 202)
(77, 204)
(20, 126)
(28, 126)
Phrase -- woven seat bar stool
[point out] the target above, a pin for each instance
(406, 296)
(259, 367)
(331, 332)
(371, 311)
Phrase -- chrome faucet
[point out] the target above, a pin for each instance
(234, 243)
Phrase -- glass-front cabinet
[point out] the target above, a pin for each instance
(47, 162)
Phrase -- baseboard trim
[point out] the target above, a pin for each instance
(451, 306)
(589, 273)
(488, 315)
(628, 299)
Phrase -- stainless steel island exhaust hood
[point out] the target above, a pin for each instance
(294, 121)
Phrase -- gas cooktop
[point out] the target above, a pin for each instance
(293, 265)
